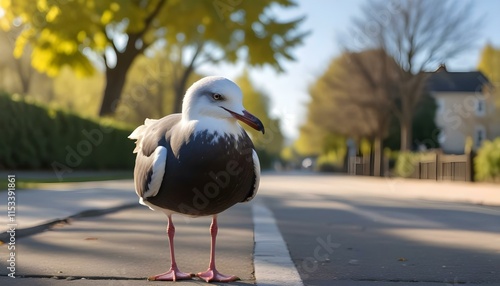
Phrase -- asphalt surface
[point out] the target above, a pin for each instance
(338, 230)
(341, 232)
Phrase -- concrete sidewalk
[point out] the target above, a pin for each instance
(51, 175)
(58, 201)
(126, 247)
(120, 248)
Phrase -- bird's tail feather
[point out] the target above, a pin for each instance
(138, 133)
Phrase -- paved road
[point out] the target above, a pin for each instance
(339, 231)
(345, 231)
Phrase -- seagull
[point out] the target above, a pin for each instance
(198, 163)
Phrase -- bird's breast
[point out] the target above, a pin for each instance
(210, 173)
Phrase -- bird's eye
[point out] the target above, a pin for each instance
(217, 96)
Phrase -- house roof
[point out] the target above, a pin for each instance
(445, 81)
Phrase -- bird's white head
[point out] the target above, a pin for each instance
(215, 101)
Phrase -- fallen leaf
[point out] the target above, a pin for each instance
(402, 259)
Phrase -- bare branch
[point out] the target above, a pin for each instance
(417, 35)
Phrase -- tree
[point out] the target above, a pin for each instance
(418, 34)
(270, 144)
(489, 65)
(329, 148)
(150, 80)
(77, 94)
(311, 140)
(117, 32)
(352, 98)
(17, 74)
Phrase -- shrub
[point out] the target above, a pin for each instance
(330, 162)
(487, 161)
(405, 164)
(37, 137)
(407, 161)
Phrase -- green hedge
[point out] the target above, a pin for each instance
(405, 164)
(33, 136)
(331, 162)
(487, 161)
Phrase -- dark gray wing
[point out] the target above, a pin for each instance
(151, 148)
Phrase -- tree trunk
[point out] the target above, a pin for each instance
(115, 77)
(25, 84)
(403, 136)
(180, 88)
(406, 133)
(406, 129)
(115, 81)
(377, 156)
(24, 77)
(180, 85)
(178, 96)
(413, 91)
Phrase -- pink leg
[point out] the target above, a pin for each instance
(212, 274)
(173, 274)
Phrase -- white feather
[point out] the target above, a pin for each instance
(219, 126)
(203, 114)
(158, 169)
(256, 166)
(139, 132)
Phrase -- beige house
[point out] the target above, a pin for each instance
(465, 109)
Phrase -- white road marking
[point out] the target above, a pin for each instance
(272, 261)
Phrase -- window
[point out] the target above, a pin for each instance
(480, 106)
(479, 136)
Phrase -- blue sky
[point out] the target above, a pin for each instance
(327, 20)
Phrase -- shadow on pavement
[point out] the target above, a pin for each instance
(372, 239)
(129, 245)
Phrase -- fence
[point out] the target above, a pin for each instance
(439, 167)
(362, 165)
(432, 166)
(359, 165)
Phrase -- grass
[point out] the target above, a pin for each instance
(28, 181)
